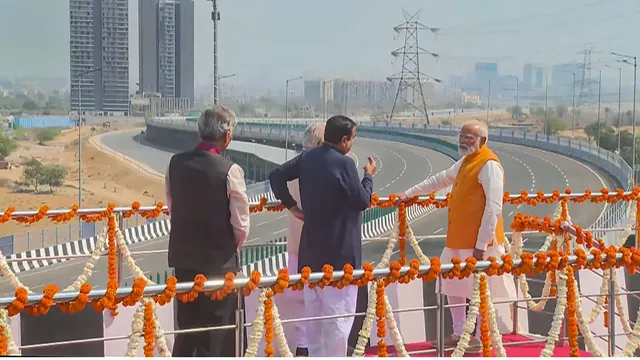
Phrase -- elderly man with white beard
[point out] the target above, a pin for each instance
(475, 226)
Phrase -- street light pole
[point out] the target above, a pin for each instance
(546, 96)
(455, 101)
(599, 97)
(633, 125)
(215, 16)
(573, 106)
(286, 117)
(488, 102)
(80, 75)
(619, 103)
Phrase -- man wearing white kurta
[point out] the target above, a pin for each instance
(475, 225)
(313, 137)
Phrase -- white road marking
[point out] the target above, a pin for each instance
(354, 157)
(404, 169)
(533, 177)
(437, 231)
(262, 223)
(279, 231)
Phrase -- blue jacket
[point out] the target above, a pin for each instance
(333, 199)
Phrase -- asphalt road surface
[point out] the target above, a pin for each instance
(399, 166)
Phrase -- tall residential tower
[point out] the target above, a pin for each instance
(99, 39)
(166, 34)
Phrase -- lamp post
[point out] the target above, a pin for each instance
(488, 102)
(80, 75)
(220, 77)
(619, 99)
(546, 97)
(286, 117)
(215, 17)
(599, 98)
(573, 106)
(633, 125)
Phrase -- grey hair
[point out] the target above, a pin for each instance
(313, 136)
(216, 122)
(483, 129)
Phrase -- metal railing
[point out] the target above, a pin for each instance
(240, 325)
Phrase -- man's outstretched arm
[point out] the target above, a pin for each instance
(436, 182)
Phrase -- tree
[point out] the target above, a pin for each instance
(561, 110)
(29, 105)
(7, 146)
(32, 175)
(516, 112)
(53, 175)
(554, 125)
(46, 135)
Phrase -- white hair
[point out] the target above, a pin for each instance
(313, 136)
(216, 122)
(483, 129)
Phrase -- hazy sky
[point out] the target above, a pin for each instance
(265, 42)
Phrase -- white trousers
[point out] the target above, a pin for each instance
(329, 337)
(457, 291)
(297, 305)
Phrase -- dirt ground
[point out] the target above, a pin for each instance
(105, 178)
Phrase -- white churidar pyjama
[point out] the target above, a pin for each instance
(501, 288)
(329, 337)
(297, 305)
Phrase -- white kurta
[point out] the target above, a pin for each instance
(491, 178)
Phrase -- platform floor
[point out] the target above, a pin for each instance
(527, 350)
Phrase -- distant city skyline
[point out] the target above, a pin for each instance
(266, 43)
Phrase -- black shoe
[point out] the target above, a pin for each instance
(302, 352)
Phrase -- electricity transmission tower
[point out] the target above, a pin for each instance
(585, 80)
(410, 77)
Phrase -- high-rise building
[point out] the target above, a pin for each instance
(313, 92)
(166, 35)
(99, 39)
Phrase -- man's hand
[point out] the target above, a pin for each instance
(297, 212)
(370, 167)
(402, 197)
(478, 254)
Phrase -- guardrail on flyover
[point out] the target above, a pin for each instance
(418, 135)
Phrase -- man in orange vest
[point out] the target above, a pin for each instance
(475, 225)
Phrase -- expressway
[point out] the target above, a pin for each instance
(399, 167)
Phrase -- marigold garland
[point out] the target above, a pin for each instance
(572, 319)
(282, 282)
(227, 288)
(196, 289)
(137, 290)
(45, 304)
(168, 293)
(484, 318)
(19, 303)
(157, 211)
(606, 311)
(347, 278)
(80, 301)
(149, 329)
(254, 280)
(402, 233)
(367, 277)
(380, 314)
(4, 345)
(6, 216)
(111, 251)
(269, 351)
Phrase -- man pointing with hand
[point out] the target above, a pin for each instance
(333, 199)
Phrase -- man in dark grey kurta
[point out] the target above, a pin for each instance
(333, 199)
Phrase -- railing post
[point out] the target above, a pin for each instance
(119, 272)
(612, 314)
(440, 316)
(240, 329)
(515, 318)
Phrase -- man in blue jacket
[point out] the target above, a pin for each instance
(333, 198)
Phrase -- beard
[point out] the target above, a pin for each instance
(464, 150)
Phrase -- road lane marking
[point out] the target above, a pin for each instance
(279, 231)
(437, 231)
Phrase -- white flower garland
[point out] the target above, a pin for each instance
(634, 341)
(9, 275)
(589, 340)
(137, 331)
(496, 337)
(278, 330)
(87, 271)
(599, 307)
(367, 324)
(257, 327)
(524, 284)
(631, 221)
(137, 328)
(126, 256)
(620, 308)
(396, 337)
(5, 322)
(472, 317)
(558, 315)
(161, 341)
